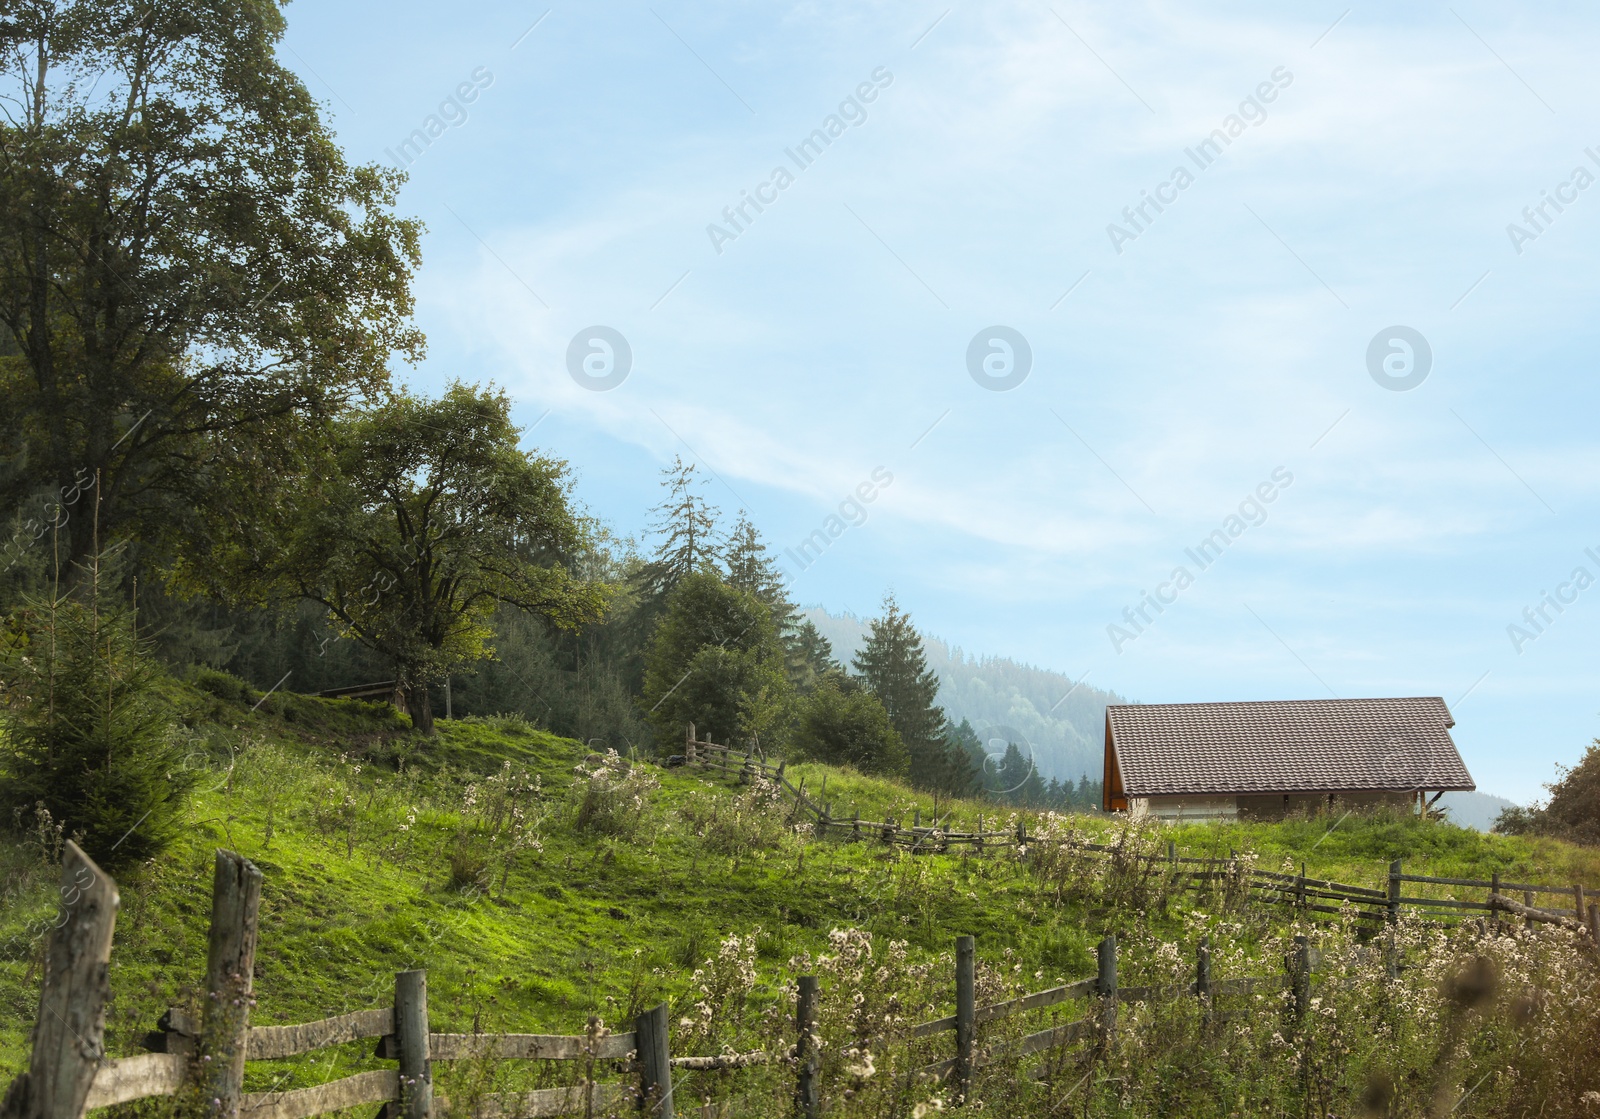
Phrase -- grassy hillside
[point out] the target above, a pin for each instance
(540, 884)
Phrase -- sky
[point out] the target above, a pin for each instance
(1350, 342)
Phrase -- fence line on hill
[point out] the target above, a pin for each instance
(1297, 890)
(205, 1057)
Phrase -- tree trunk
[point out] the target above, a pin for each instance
(419, 705)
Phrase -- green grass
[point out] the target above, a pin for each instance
(366, 822)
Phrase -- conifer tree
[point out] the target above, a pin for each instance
(686, 523)
(84, 736)
(894, 667)
(810, 656)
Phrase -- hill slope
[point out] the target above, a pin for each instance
(540, 885)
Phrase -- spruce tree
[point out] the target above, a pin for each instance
(810, 656)
(84, 735)
(894, 667)
(686, 523)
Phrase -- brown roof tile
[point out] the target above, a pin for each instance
(1310, 745)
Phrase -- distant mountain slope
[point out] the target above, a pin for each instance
(997, 694)
(1474, 810)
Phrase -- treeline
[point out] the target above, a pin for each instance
(204, 461)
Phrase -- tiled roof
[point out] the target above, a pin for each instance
(1311, 745)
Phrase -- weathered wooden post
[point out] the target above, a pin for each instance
(966, 1011)
(230, 981)
(1394, 892)
(1106, 985)
(1527, 900)
(1202, 978)
(916, 818)
(411, 1040)
(655, 1063)
(1594, 922)
(1300, 888)
(1300, 979)
(855, 825)
(805, 1092)
(688, 746)
(1172, 852)
(1494, 891)
(70, 1026)
(1577, 901)
(1022, 832)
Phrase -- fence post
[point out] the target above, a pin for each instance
(1106, 984)
(411, 1039)
(1594, 922)
(1202, 977)
(1394, 892)
(855, 825)
(1022, 832)
(68, 1031)
(1300, 888)
(688, 746)
(1300, 978)
(805, 1093)
(655, 1062)
(966, 1011)
(1494, 890)
(1527, 900)
(230, 967)
(1577, 901)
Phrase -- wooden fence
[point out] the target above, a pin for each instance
(68, 1071)
(1311, 895)
(205, 1057)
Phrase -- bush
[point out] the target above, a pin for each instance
(610, 794)
(84, 734)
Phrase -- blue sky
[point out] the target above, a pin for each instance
(1226, 341)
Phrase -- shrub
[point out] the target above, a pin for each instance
(84, 734)
(752, 821)
(610, 794)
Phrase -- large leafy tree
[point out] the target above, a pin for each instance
(190, 272)
(1573, 809)
(715, 661)
(427, 518)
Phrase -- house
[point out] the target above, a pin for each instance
(1267, 758)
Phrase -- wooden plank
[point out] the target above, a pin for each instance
(535, 1047)
(1064, 1034)
(1499, 901)
(135, 1078)
(1480, 884)
(723, 1063)
(1034, 1001)
(938, 1025)
(270, 1042)
(70, 1024)
(378, 1086)
(1444, 903)
(590, 1098)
